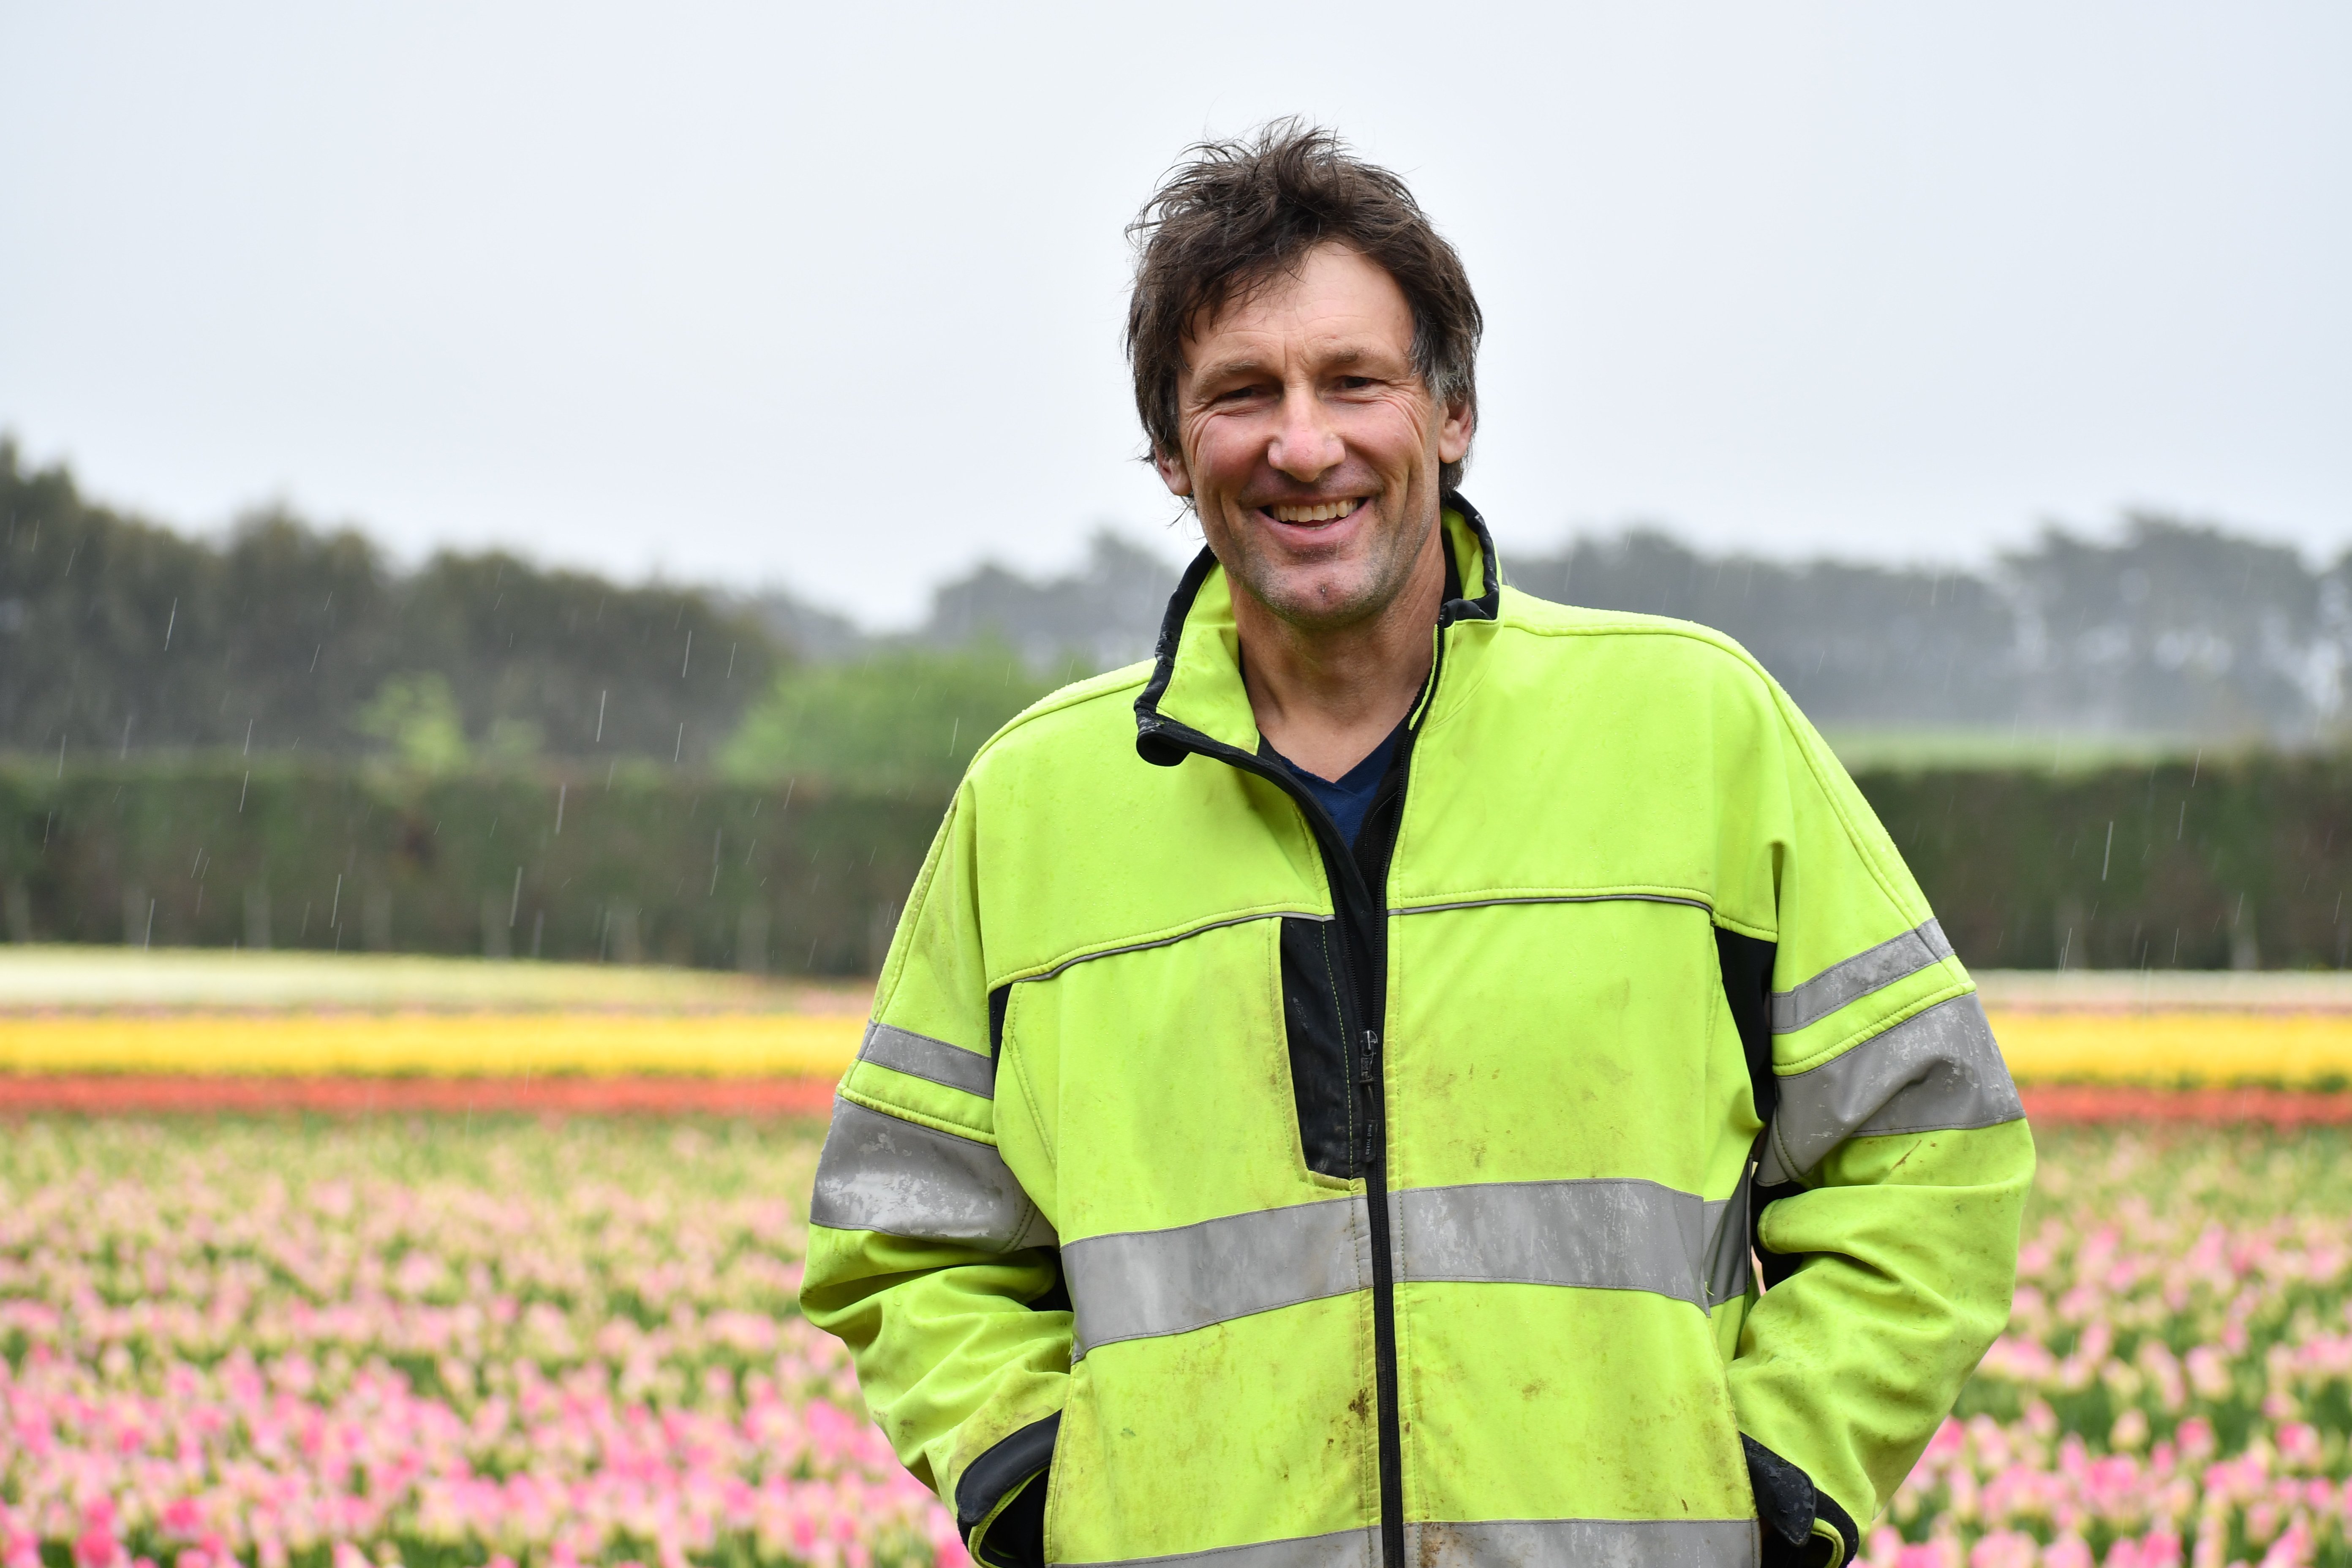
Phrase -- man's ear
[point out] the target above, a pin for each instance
(1454, 431)
(1172, 471)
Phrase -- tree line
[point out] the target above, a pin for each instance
(119, 638)
(2167, 627)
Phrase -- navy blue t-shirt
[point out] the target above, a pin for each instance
(1347, 797)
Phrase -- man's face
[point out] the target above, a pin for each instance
(1312, 450)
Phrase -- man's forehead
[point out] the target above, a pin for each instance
(1329, 315)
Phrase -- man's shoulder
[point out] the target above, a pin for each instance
(1077, 715)
(1658, 641)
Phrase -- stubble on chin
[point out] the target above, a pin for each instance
(1326, 595)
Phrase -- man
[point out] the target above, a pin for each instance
(1328, 1081)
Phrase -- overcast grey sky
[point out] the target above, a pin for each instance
(830, 296)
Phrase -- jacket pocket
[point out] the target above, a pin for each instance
(998, 1473)
(1316, 1026)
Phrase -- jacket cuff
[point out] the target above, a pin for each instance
(1776, 1267)
(1802, 1526)
(1000, 1499)
(1835, 1522)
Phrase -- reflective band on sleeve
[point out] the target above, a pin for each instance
(1730, 1267)
(1587, 1542)
(1858, 976)
(1936, 1071)
(880, 1173)
(1607, 1235)
(1341, 1549)
(1139, 1284)
(919, 1056)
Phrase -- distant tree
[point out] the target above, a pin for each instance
(1853, 643)
(2176, 626)
(802, 629)
(417, 717)
(1104, 614)
(118, 635)
(594, 666)
(898, 719)
(2171, 628)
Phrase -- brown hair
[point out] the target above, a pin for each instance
(1236, 212)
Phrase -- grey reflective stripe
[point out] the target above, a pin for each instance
(1603, 1234)
(1730, 1264)
(1936, 1071)
(919, 1056)
(1607, 1233)
(1699, 904)
(1495, 1543)
(879, 1172)
(1341, 1549)
(1585, 1544)
(1138, 1284)
(1187, 934)
(1858, 976)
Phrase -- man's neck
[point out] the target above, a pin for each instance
(1326, 698)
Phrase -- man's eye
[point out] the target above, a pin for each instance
(1354, 382)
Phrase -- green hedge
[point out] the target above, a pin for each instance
(2204, 865)
(2241, 862)
(643, 863)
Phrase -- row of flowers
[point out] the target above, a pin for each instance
(2310, 1049)
(476, 1044)
(441, 1345)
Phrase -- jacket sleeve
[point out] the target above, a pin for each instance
(1894, 1167)
(927, 1256)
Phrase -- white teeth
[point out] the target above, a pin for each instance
(1322, 512)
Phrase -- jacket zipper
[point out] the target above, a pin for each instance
(1363, 949)
(1363, 945)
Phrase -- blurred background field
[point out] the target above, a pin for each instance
(69, 1010)
(66, 1009)
(71, 978)
(443, 1342)
(433, 1342)
(422, 1330)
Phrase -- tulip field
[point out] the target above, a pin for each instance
(2176, 1383)
(396, 1298)
(428, 1343)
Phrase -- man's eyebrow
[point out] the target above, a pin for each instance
(1218, 370)
(1225, 369)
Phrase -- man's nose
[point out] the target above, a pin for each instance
(1305, 444)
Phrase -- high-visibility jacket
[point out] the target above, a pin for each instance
(1272, 1204)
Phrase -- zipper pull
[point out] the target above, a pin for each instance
(1367, 1060)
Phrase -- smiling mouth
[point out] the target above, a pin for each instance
(1310, 513)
